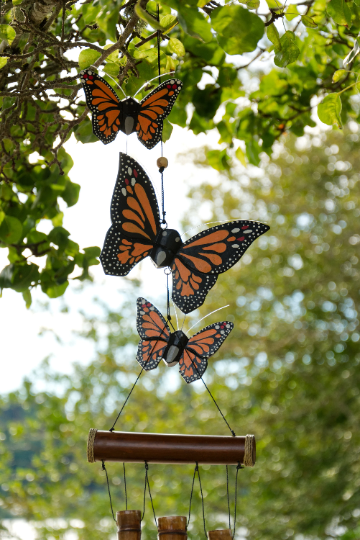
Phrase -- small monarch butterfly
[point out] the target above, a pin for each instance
(110, 115)
(159, 343)
(136, 233)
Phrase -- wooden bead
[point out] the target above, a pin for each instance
(162, 162)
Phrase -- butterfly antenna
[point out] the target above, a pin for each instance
(176, 316)
(208, 223)
(208, 315)
(182, 326)
(153, 79)
(112, 78)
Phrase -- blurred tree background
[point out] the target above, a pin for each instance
(289, 373)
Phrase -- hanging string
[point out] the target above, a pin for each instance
(158, 44)
(108, 487)
(214, 400)
(147, 485)
(197, 471)
(127, 399)
(135, 383)
(125, 487)
(227, 493)
(236, 489)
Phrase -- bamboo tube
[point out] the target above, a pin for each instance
(172, 528)
(161, 448)
(221, 534)
(129, 524)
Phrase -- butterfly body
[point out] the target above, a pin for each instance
(167, 244)
(110, 115)
(159, 343)
(136, 233)
(175, 348)
(128, 115)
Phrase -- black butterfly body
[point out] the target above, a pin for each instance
(136, 233)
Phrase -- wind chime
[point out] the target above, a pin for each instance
(139, 231)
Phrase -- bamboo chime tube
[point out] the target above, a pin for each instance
(161, 448)
(172, 528)
(129, 524)
(221, 534)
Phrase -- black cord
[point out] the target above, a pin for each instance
(125, 486)
(212, 397)
(147, 484)
(192, 491)
(127, 398)
(196, 470)
(202, 503)
(236, 484)
(227, 492)
(158, 43)
(133, 386)
(108, 486)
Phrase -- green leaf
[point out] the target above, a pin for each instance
(111, 69)
(251, 4)
(238, 30)
(27, 297)
(195, 24)
(273, 35)
(84, 132)
(308, 21)
(167, 130)
(329, 110)
(54, 291)
(340, 12)
(175, 46)
(240, 156)
(10, 230)
(168, 22)
(289, 51)
(291, 12)
(7, 32)
(339, 74)
(3, 61)
(274, 4)
(87, 57)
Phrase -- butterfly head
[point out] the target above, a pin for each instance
(176, 345)
(167, 244)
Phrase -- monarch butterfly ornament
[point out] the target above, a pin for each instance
(110, 115)
(136, 233)
(159, 343)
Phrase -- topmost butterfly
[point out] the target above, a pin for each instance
(109, 114)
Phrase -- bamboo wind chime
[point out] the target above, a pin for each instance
(139, 231)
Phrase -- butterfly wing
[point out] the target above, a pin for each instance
(203, 257)
(154, 108)
(154, 333)
(200, 347)
(104, 105)
(135, 219)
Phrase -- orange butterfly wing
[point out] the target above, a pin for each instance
(200, 347)
(154, 108)
(104, 105)
(201, 259)
(154, 333)
(135, 220)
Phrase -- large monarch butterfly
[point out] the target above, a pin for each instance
(136, 233)
(110, 115)
(159, 343)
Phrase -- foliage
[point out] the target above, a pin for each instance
(289, 373)
(43, 104)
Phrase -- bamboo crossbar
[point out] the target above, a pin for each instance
(167, 448)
